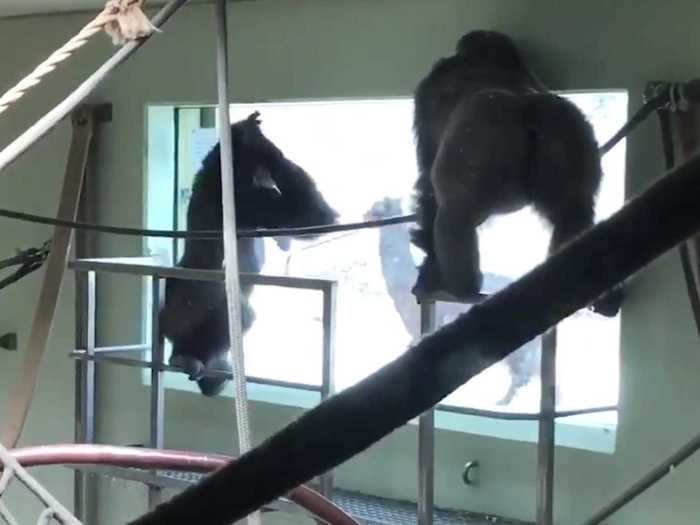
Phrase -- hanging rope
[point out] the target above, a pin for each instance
(123, 20)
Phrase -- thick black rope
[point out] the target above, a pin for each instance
(348, 423)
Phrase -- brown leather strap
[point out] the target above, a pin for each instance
(22, 392)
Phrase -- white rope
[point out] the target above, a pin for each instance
(228, 203)
(123, 20)
(54, 508)
(6, 515)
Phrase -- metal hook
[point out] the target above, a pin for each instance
(469, 467)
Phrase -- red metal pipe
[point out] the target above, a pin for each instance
(152, 459)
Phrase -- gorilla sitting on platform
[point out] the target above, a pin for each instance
(270, 192)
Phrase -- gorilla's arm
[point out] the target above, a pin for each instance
(204, 212)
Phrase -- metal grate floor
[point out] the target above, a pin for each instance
(373, 510)
(368, 510)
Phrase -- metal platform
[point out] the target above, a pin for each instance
(373, 510)
(369, 510)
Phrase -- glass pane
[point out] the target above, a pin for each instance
(362, 155)
(286, 339)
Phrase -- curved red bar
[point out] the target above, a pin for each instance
(146, 458)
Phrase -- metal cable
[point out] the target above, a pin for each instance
(29, 260)
(650, 106)
(205, 234)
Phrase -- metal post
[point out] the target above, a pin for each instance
(545, 443)
(79, 492)
(328, 371)
(85, 332)
(84, 483)
(157, 388)
(426, 436)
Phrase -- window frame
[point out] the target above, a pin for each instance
(574, 432)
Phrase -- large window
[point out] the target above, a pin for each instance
(361, 152)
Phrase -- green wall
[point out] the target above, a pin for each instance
(331, 48)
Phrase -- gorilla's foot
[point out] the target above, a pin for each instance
(609, 304)
(466, 289)
(192, 366)
(428, 280)
(432, 287)
(213, 386)
(422, 289)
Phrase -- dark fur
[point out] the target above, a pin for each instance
(270, 192)
(492, 139)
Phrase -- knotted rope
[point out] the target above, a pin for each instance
(123, 20)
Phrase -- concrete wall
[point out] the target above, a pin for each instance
(333, 48)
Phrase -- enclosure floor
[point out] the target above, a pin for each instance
(373, 510)
(368, 510)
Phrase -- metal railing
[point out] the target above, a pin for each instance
(546, 418)
(88, 354)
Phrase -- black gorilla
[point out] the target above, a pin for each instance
(270, 192)
(492, 139)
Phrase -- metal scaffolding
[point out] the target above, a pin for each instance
(546, 419)
(150, 356)
(88, 354)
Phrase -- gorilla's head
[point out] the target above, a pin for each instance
(490, 48)
(271, 190)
